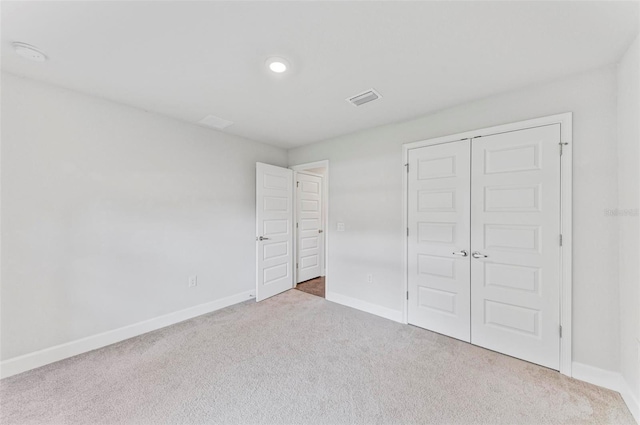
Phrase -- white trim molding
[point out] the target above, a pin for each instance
(387, 313)
(566, 185)
(56, 353)
(596, 376)
(630, 399)
(611, 380)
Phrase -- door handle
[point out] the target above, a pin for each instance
(262, 238)
(320, 230)
(476, 254)
(462, 253)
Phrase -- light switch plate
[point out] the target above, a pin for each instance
(340, 227)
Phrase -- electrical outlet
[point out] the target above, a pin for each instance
(369, 278)
(193, 281)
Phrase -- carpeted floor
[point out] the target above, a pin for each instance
(297, 359)
(313, 286)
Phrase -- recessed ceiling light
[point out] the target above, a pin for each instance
(28, 51)
(277, 65)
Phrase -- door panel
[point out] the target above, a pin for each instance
(309, 222)
(515, 223)
(438, 218)
(274, 224)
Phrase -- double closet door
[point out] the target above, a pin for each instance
(484, 242)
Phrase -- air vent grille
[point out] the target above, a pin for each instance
(365, 97)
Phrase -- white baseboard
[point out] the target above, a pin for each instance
(631, 399)
(610, 380)
(387, 313)
(43, 357)
(596, 376)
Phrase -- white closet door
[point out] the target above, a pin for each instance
(310, 237)
(438, 218)
(515, 229)
(274, 227)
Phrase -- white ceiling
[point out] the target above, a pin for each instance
(191, 59)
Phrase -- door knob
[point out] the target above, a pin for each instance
(320, 230)
(262, 238)
(462, 253)
(476, 254)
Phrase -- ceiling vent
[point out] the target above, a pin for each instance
(365, 97)
(215, 122)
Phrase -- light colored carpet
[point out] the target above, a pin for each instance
(297, 358)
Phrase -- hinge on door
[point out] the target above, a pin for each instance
(560, 331)
(407, 231)
(560, 239)
(562, 147)
(407, 165)
(407, 294)
(296, 225)
(297, 184)
(296, 265)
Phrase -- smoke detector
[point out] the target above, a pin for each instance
(364, 97)
(28, 51)
(215, 122)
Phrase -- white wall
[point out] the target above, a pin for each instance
(106, 211)
(366, 194)
(629, 230)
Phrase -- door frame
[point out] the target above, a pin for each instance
(325, 219)
(566, 196)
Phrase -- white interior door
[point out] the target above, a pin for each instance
(438, 238)
(274, 230)
(515, 232)
(309, 226)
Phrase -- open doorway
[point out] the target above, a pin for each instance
(311, 224)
